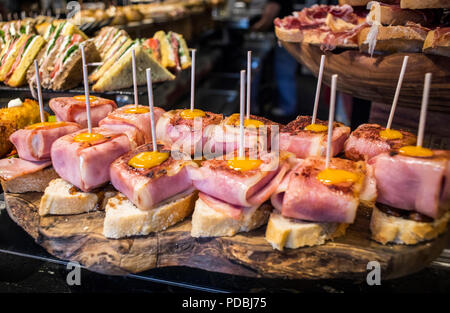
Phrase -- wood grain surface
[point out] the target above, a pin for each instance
(375, 78)
(79, 238)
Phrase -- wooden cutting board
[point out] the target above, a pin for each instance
(79, 238)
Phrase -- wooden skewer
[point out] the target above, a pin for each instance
(423, 109)
(319, 84)
(242, 113)
(249, 81)
(133, 58)
(86, 89)
(331, 117)
(397, 92)
(150, 103)
(192, 79)
(39, 91)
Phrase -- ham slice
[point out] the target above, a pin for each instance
(148, 187)
(365, 142)
(34, 143)
(137, 126)
(186, 135)
(15, 167)
(245, 189)
(304, 143)
(413, 184)
(302, 196)
(69, 109)
(224, 138)
(86, 165)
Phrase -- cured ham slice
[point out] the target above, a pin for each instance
(15, 167)
(304, 143)
(130, 120)
(86, 164)
(33, 143)
(365, 142)
(73, 109)
(186, 135)
(302, 196)
(240, 188)
(224, 138)
(146, 188)
(414, 184)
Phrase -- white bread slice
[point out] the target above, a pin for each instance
(33, 182)
(124, 219)
(284, 232)
(438, 46)
(428, 4)
(207, 222)
(391, 229)
(63, 198)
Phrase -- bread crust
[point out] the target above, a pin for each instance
(207, 222)
(289, 35)
(63, 198)
(440, 46)
(33, 182)
(394, 39)
(386, 228)
(283, 232)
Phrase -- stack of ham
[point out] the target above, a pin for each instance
(186, 134)
(366, 142)
(33, 146)
(73, 109)
(303, 143)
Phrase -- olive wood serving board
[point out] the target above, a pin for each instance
(79, 238)
(375, 78)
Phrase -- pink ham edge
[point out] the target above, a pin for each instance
(87, 168)
(233, 211)
(68, 109)
(15, 167)
(35, 144)
(142, 191)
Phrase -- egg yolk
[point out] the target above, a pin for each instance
(137, 110)
(416, 151)
(235, 120)
(317, 128)
(148, 159)
(243, 164)
(191, 114)
(332, 176)
(88, 137)
(46, 125)
(83, 98)
(390, 134)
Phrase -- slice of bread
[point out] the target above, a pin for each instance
(33, 182)
(63, 198)
(207, 222)
(387, 228)
(124, 219)
(438, 46)
(71, 75)
(120, 74)
(284, 232)
(428, 4)
(354, 3)
(394, 39)
(18, 77)
(289, 35)
(393, 16)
